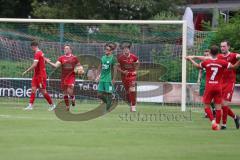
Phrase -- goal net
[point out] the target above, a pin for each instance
(160, 46)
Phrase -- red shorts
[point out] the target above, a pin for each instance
(67, 82)
(212, 93)
(227, 91)
(39, 82)
(129, 81)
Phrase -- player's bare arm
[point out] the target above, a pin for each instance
(202, 58)
(195, 64)
(34, 64)
(238, 56)
(55, 65)
(79, 69)
(98, 72)
(235, 66)
(199, 76)
(136, 65)
(99, 69)
(115, 67)
(125, 72)
(78, 65)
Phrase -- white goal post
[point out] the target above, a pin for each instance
(180, 22)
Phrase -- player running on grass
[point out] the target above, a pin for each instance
(214, 75)
(68, 63)
(39, 79)
(128, 65)
(229, 80)
(106, 81)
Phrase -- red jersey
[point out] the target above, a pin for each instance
(40, 69)
(214, 70)
(68, 63)
(128, 63)
(229, 75)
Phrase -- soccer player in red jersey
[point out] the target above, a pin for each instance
(228, 83)
(214, 74)
(128, 65)
(67, 62)
(229, 80)
(39, 79)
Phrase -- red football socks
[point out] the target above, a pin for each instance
(48, 98)
(32, 98)
(209, 113)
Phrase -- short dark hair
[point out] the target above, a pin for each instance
(111, 45)
(214, 50)
(65, 45)
(34, 43)
(207, 50)
(228, 43)
(126, 44)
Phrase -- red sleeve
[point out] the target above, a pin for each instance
(37, 56)
(235, 56)
(60, 59)
(203, 64)
(77, 61)
(135, 58)
(119, 58)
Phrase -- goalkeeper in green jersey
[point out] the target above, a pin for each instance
(202, 81)
(106, 80)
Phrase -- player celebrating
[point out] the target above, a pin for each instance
(214, 73)
(39, 79)
(201, 80)
(128, 65)
(106, 82)
(229, 80)
(68, 63)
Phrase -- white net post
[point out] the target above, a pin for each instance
(184, 65)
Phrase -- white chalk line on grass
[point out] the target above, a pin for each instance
(7, 116)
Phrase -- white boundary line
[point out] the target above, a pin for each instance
(7, 116)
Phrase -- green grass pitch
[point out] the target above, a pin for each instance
(39, 134)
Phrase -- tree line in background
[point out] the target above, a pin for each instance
(87, 9)
(229, 31)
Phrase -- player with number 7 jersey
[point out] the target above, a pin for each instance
(214, 73)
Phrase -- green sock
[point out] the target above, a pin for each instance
(104, 99)
(109, 101)
(212, 105)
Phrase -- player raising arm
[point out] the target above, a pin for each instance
(214, 74)
(229, 80)
(68, 63)
(127, 65)
(201, 80)
(39, 79)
